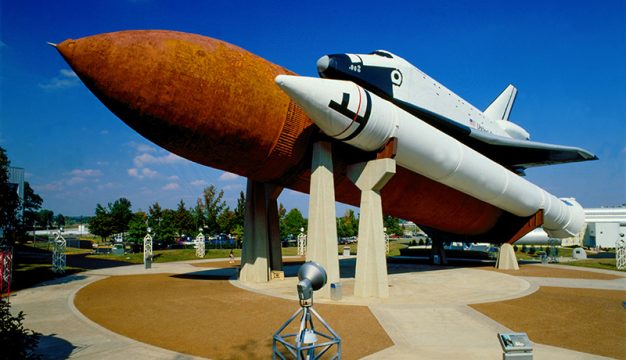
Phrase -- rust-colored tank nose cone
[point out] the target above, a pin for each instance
(196, 96)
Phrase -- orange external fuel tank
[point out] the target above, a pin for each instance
(217, 105)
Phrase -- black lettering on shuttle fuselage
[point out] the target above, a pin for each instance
(343, 109)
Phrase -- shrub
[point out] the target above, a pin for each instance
(15, 341)
(532, 250)
(515, 248)
(422, 242)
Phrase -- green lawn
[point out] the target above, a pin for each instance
(163, 256)
(607, 264)
(48, 247)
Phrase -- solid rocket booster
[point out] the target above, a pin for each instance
(347, 112)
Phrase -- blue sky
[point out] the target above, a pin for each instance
(566, 59)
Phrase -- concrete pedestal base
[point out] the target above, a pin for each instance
(506, 258)
(261, 251)
(322, 228)
(371, 262)
(438, 253)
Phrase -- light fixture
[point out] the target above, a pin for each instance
(308, 343)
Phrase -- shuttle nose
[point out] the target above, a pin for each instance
(322, 64)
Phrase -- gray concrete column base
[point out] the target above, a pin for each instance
(322, 228)
(261, 251)
(371, 263)
(506, 258)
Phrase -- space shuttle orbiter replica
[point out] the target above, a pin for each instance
(490, 131)
(219, 105)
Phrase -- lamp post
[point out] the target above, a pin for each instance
(308, 343)
(301, 242)
(147, 250)
(200, 251)
(386, 239)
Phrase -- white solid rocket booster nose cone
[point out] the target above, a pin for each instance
(315, 95)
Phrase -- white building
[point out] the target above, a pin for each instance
(605, 226)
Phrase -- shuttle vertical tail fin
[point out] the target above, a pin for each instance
(500, 108)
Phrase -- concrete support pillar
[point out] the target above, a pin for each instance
(506, 258)
(371, 262)
(322, 228)
(261, 251)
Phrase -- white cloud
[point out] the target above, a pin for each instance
(133, 172)
(142, 148)
(76, 180)
(65, 79)
(142, 173)
(233, 187)
(173, 178)
(145, 158)
(199, 183)
(170, 186)
(55, 186)
(79, 176)
(226, 176)
(86, 173)
(104, 132)
(108, 186)
(149, 173)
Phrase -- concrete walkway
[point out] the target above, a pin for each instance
(426, 314)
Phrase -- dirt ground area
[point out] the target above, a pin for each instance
(209, 317)
(549, 271)
(587, 320)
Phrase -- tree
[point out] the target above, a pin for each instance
(155, 215)
(167, 229)
(101, 224)
(213, 207)
(198, 214)
(16, 342)
(226, 221)
(281, 211)
(291, 223)
(121, 214)
(60, 220)
(240, 210)
(392, 224)
(347, 225)
(9, 200)
(137, 227)
(32, 203)
(45, 218)
(184, 220)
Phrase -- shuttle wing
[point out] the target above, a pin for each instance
(513, 153)
(524, 153)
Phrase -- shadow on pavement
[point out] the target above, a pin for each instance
(62, 280)
(53, 347)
